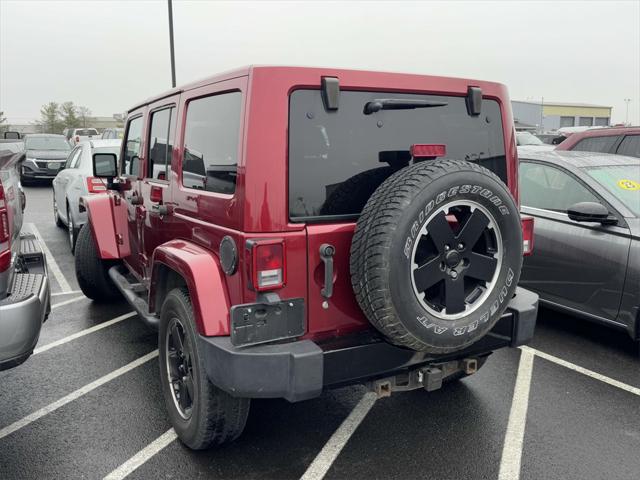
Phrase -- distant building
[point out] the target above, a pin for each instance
(554, 115)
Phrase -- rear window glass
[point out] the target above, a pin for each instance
(596, 144)
(338, 158)
(86, 132)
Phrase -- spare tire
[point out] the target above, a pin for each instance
(436, 255)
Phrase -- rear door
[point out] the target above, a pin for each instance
(61, 181)
(338, 158)
(580, 265)
(630, 145)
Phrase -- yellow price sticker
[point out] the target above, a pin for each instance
(626, 184)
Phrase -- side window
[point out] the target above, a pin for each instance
(163, 125)
(211, 143)
(550, 188)
(76, 160)
(133, 142)
(630, 145)
(596, 144)
(71, 159)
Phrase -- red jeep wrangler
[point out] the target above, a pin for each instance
(289, 230)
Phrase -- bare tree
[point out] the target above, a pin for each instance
(83, 114)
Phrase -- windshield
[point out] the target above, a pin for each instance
(623, 181)
(47, 143)
(526, 138)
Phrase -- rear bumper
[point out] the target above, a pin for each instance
(300, 370)
(24, 310)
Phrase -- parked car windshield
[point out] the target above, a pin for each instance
(526, 138)
(623, 181)
(47, 143)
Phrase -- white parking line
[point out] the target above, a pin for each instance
(514, 438)
(323, 461)
(8, 430)
(66, 302)
(66, 293)
(84, 332)
(584, 371)
(53, 266)
(143, 455)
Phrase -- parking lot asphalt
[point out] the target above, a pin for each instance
(89, 400)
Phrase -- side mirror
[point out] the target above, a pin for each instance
(105, 165)
(591, 212)
(12, 136)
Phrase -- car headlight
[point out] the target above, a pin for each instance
(32, 159)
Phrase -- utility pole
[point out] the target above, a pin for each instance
(173, 59)
(626, 116)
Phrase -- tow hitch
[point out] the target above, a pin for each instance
(429, 377)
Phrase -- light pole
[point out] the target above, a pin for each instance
(173, 59)
(626, 116)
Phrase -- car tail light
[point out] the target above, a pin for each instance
(267, 264)
(5, 246)
(96, 185)
(428, 150)
(527, 235)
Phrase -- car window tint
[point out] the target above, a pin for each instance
(72, 156)
(549, 188)
(211, 143)
(338, 158)
(596, 144)
(76, 160)
(161, 143)
(133, 143)
(630, 145)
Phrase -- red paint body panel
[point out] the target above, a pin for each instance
(187, 239)
(205, 280)
(108, 218)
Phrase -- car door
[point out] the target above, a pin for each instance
(61, 181)
(579, 265)
(157, 222)
(131, 165)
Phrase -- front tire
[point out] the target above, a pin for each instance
(91, 270)
(201, 414)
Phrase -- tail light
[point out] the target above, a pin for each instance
(96, 185)
(267, 264)
(527, 235)
(5, 247)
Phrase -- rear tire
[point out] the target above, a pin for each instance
(201, 414)
(91, 270)
(56, 214)
(72, 230)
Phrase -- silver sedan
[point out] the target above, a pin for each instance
(76, 180)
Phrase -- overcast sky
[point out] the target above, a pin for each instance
(108, 55)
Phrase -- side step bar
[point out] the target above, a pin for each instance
(130, 291)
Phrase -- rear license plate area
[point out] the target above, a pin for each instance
(256, 323)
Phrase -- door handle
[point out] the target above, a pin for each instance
(327, 252)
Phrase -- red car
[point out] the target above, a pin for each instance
(620, 140)
(289, 230)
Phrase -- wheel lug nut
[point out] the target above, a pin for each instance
(454, 274)
(460, 246)
(447, 248)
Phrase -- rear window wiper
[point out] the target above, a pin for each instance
(399, 104)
